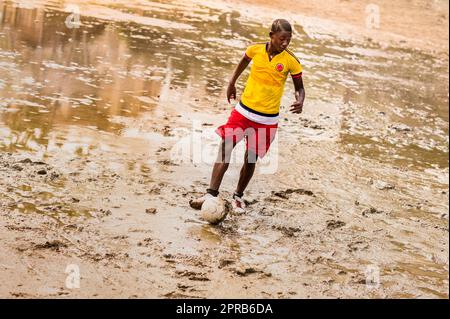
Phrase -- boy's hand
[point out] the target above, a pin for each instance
(231, 92)
(297, 107)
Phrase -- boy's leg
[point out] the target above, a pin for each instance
(222, 164)
(231, 133)
(247, 171)
(259, 138)
(219, 169)
(246, 175)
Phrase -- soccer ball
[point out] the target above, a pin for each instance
(214, 210)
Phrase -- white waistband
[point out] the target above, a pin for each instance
(267, 120)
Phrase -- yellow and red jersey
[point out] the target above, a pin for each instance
(265, 85)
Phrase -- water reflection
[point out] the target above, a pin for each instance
(128, 60)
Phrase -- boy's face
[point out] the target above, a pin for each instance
(280, 40)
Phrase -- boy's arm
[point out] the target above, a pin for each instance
(297, 106)
(231, 91)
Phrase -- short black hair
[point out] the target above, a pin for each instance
(281, 25)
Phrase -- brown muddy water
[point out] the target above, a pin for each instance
(98, 158)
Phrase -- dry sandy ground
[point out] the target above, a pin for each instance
(350, 220)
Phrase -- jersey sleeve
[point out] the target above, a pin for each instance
(296, 68)
(250, 52)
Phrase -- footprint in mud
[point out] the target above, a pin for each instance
(42, 172)
(311, 125)
(287, 193)
(357, 245)
(151, 211)
(226, 262)
(371, 211)
(177, 295)
(287, 230)
(21, 295)
(186, 288)
(192, 275)
(52, 245)
(266, 212)
(244, 271)
(161, 149)
(146, 242)
(398, 127)
(334, 224)
(358, 279)
(168, 163)
(17, 167)
(29, 161)
(169, 258)
(250, 202)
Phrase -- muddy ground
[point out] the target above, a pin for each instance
(107, 132)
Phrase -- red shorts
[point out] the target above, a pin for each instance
(258, 136)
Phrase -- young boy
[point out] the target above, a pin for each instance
(256, 114)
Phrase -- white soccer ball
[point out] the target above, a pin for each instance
(214, 210)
